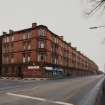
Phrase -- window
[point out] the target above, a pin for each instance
(55, 40)
(29, 45)
(41, 57)
(3, 58)
(7, 39)
(24, 36)
(12, 38)
(24, 45)
(12, 58)
(29, 58)
(12, 46)
(54, 59)
(29, 35)
(61, 60)
(7, 59)
(3, 48)
(4, 40)
(41, 32)
(24, 58)
(53, 47)
(41, 44)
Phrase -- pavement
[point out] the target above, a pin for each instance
(68, 91)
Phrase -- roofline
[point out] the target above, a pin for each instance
(43, 26)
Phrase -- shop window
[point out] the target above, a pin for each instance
(12, 69)
(29, 46)
(6, 70)
(12, 58)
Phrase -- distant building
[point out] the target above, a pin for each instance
(38, 52)
(0, 55)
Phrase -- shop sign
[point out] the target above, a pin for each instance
(33, 67)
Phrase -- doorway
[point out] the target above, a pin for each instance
(20, 74)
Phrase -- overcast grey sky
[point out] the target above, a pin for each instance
(63, 17)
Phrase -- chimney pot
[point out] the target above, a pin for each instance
(34, 25)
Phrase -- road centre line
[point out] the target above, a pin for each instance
(39, 99)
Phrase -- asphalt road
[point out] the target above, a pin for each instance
(69, 91)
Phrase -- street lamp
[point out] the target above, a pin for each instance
(96, 27)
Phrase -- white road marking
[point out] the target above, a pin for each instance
(39, 99)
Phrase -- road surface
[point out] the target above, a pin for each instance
(69, 91)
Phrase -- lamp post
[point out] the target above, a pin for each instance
(96, 27)
(104, 68)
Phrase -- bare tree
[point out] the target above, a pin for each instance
(95, 5)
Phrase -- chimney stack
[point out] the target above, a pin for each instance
(61, 37)
(75, 48)
(4, 33)
(34, 25)
(11, 31)
(69, 44)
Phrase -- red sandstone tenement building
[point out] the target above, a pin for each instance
(38, 52)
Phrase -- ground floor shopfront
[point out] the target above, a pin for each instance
(30, 71)
(36, 71)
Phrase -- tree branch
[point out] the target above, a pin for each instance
(99, 5)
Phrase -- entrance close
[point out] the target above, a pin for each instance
(20, 74)
(0, 71)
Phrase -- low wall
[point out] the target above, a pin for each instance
(103, 94)
(94, 97)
